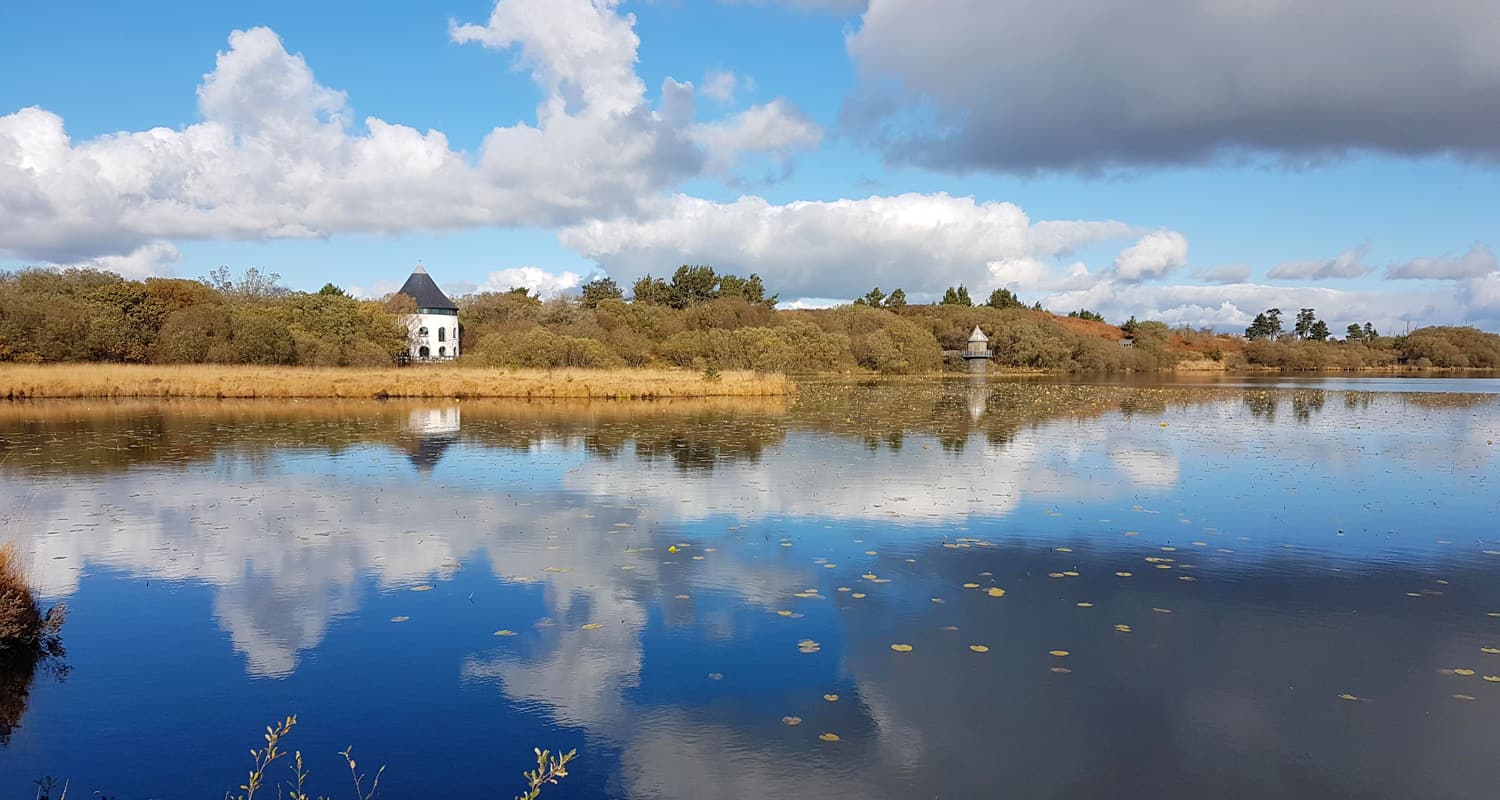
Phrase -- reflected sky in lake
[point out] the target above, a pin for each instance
(1261, 591)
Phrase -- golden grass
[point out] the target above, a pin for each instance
(22, 381)
(20, 618)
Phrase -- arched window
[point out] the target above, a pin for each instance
(442, 334)
(423, 352)
(442, 351)
(421, 331)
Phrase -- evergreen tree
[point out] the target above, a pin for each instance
(1318, 332)
(598, 290)
(896, 301)
(875, 298)
(963, 297)
(1354, 333)
(1005, 298)
(651, 291)
(1303, 326)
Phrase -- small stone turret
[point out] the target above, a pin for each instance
(978, 352)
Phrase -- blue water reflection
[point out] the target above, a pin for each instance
(1261, 592)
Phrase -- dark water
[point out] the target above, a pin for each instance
(1298, 570)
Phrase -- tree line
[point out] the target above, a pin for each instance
(697, 318)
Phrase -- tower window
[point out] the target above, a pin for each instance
(421, 331)
(442, 334)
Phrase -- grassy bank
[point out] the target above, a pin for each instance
(29, 381)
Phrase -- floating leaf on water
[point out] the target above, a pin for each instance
(1490, 650)
(426, 587)
(557, 569)
(682, 597)
(1071, 574)
(1188, 578)
(995, 591)
(979, 648)
(593, 626)
(857, 595)
(828, 737)
(1058, 653)
(400, 619)
(1084, 605)
(1063, 549)
(783, 613)
(505, 632)
(1122, 628)
(1055, 575)
(1492, 678)
(971, 586)
(1124, 574)
(901, 648)
(1463, 671)
(832, 698)
(869, 576)
(789, 720)
(1060, 670)
(1347, 696)
(1464, 697)
(844, 588)
(1162, 610)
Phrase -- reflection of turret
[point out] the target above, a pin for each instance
(979, 397)
(435, 430)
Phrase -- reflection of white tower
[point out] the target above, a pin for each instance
(432, 421)
(435, 429)
(979, 397)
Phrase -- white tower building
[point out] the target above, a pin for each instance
(434, 328)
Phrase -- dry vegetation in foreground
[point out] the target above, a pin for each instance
(23, 381)
(20, 618)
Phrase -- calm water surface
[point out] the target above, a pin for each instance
(1229, 591)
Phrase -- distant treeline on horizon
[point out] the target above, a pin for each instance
(696, 319)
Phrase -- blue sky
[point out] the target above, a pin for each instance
(892, 142)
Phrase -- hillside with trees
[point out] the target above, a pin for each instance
(697, 318)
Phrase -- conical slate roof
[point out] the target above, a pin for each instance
(978, 335)
(421, 288)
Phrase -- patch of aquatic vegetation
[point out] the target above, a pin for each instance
(259, 782)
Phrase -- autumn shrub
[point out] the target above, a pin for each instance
(29, 639)
(541, 348)
(20, 617)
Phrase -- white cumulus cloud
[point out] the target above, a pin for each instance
(919, 242)
(1155, 255)
(538, 280)
(1477, 263)
(1348, 264)
(277, 154)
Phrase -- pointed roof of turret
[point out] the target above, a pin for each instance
(978, 335)
(421, 288)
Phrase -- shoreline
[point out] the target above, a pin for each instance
(216, 381)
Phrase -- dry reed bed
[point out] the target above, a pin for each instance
(24, 381)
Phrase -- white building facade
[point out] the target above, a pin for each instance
(433, 329)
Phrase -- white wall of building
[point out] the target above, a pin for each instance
(440, 337)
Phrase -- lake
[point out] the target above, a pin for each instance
(958, 588)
